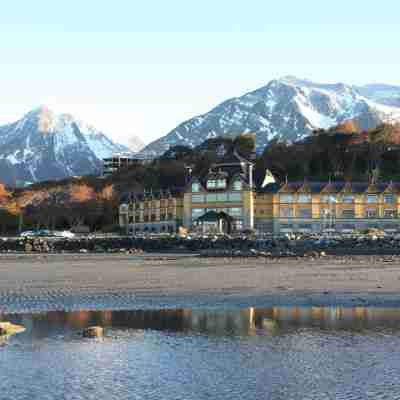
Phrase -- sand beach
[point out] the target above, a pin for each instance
(58, 281)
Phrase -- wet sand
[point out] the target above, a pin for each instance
(93, 281)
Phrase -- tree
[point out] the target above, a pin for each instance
(245, 144)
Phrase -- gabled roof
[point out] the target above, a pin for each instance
(290, 187)
(212, 216)
(391, 188)
(305, 188)
(149, 195)
(347, 188)
(331, 187)
(372, 188)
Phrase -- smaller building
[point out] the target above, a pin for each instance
(122, 160)
(151, 212)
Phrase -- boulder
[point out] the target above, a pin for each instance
(28, 247)
(7, 329)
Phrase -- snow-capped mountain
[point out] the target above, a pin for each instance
(287, 109)
(43, 145)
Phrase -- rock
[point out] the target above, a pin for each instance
(93, 332)
(28, 248)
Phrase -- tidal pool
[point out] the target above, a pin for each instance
(275, 353)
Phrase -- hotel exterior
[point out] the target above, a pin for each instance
(226, 201)
(148, 212)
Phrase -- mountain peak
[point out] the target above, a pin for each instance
(286, 109)
(44, 145)
(291, 79)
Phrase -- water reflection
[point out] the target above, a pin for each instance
(242, 322)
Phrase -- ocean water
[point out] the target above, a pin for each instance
(275, 353)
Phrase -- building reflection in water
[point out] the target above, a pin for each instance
(242, 322)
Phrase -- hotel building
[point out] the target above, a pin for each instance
(226, 201)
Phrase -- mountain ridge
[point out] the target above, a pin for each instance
(289, 109)
(43, 145)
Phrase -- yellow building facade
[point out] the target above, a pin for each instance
(226, 201)
(327, 206)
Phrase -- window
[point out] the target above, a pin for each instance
(197, 198)
(235, 197)
(221, 183)
(328, 198)
(286, 212)
(130, 220)
(211, 198)
(389, 213)
(195, 187)
(305, 213)
(348, 214)
(211, 184)
(348, 199)
(235, 212)
(237, 185)
(286, 198)
(222, 197)
(389, 199)
(304, 198)
(237, 225)
(371, 213)
(372, 199)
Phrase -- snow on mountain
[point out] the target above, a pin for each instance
(287, 109)
(43, 145)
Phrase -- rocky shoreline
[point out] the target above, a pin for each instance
(208, 247)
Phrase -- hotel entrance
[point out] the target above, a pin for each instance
(213, 222)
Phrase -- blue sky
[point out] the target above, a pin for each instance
(141, 67)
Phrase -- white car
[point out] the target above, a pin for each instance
(67, 234)
(27, 234)
(64, 234)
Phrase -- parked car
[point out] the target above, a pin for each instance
(67, 234)
(27, 234)
(44, 233)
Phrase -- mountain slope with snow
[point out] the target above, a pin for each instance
(287, 109)
(43, 146)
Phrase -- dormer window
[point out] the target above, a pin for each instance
(221, 183)
(123, 208)
(237, 185)
(195, 187)
(211, 184)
